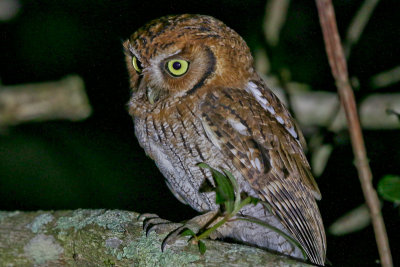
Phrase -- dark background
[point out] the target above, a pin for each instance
(97, 163)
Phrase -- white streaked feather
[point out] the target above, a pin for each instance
(238, 126)
(258, 164)
(292, 131)
(253, 89)
(280, 120)
(253, 164)
(271, 110)
(210, 134)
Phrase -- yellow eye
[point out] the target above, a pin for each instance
(177, 67)
(136, 64)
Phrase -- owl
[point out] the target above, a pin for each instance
(196, 97)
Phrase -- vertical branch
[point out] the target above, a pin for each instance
(339, 70)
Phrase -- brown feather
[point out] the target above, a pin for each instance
(285, 182)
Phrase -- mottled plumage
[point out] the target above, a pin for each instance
(219, 111)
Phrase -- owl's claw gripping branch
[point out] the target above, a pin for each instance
(172, 237)
(156, 224)
(151, 222)
(207, 225)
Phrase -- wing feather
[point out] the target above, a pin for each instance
(270, 157)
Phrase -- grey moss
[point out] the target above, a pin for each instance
(43, 248)
(8, 214)
(113, 244)
(146, 252)
(39, 221)
(111, 219)
(114, 220)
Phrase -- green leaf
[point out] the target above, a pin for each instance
(236, 188)
(188, 232)
(224, 186)
(204, 165)
(254, 201)
(389, 188)
(202, 247)
(233, 181)
(224, 189)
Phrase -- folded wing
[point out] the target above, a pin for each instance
(267, 152)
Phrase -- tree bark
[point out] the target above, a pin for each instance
(110, 238)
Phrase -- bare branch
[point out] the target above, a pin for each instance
(275, 17)
(64, 99)
(319, 108)
(354, 220)
(386, 78)
(339, 70)
(358, 24)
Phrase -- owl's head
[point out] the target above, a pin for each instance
(177, 55)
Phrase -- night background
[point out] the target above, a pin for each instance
(97, 162)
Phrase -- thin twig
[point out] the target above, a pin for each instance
(275, 17)
(386, 78)
(358, 24)
(339, 70)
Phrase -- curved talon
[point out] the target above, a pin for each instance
(172, 237)
(152, 227)
(146, 215)
(148, 228)
(150, 223)
(147, 222)
(161, 227)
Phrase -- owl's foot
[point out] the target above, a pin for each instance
(151, 222)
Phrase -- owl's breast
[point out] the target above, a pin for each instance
(177, 143)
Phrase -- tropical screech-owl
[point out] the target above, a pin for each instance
(196, 97)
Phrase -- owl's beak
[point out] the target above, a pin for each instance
(152, 94)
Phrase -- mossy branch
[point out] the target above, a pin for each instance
(110, 238)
